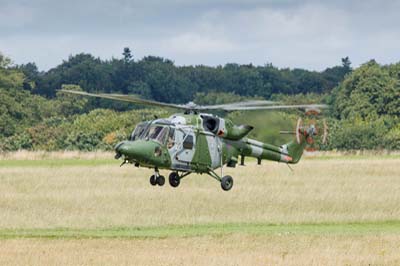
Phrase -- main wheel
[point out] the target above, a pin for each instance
(160, 180)
(226, 182)
(153, 180)
(174, 179)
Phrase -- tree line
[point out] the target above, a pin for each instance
(160, 79)
(364, 112)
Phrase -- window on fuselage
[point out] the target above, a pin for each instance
(171, 138)
(138, 132)
(158, 133)
(188, 142)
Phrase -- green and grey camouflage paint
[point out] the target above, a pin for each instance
(202, 143)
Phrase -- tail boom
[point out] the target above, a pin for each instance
(290, 153)
(287, 153)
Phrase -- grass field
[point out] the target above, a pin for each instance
(82, 209)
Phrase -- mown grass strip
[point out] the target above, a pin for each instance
(58, 162)
(354, 157)
(206, 230)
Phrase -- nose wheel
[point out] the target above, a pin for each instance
(157, 179)
(160, 180)
(153, 180)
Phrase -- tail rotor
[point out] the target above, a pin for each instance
(312, 130)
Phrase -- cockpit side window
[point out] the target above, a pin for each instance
(157, 133)
(171, 138)
(138, 132)
(162, 136)
(154, 131)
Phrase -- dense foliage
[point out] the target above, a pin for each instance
(159, 79)
(33, 115)
(366, 106)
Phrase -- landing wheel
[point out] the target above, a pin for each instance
(174, 179)
(226, 182)
(160, 180)
(153, 180)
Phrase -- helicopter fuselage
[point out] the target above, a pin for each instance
(197, 143)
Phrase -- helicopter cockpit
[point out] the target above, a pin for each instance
(163, 134)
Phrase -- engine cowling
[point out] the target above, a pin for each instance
(225, 128)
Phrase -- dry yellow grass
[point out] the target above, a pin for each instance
(91, 196)
(227, 250)
(107, 196)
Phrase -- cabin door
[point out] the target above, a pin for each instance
(185, 147)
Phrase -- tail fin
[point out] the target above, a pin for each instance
(304, 135)
(295, 151)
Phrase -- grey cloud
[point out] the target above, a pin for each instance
(310, 34)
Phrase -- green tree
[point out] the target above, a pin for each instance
(370, 91)
(31, 73)
(346, 63)
(4, 61)
(127, 55)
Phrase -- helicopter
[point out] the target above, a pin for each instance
(196, 141)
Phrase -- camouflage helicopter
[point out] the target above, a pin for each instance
(197, 142)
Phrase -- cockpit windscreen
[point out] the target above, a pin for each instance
(139, 131)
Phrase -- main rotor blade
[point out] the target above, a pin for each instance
(236, 104)
(276, 107)
(127, 98)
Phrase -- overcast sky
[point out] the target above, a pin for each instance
(287, 33)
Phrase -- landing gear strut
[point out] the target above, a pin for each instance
(226, 181)
(175, 179)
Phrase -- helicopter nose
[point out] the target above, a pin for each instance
(141, 151)
(130, 149)
(120, 149)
